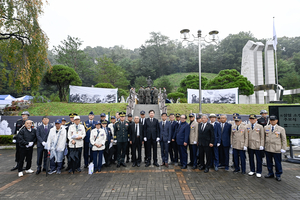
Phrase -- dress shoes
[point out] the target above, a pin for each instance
(14, 168)
(147, 165)
(184, 167)
(133, 165)
(278, 178)
(201, 168)
(206, 170)
(269, 176)
(85, 166)
(138, 165)
(44, 169)
(166, 165)
(38, 172)
(243, 173)
(155, 164)
(78, 170)
(236, 171)
(118, 165)
(163, 164)
(190, 164)
(123, 164)
(194, 167)
(179, 164)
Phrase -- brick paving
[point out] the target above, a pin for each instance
(145, 183)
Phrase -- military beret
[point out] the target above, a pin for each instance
(177, 115)
(237, 118)
(113, 117)
(63, 119)
(212, 115)
(72, 114)
(191, 115)
(129, 115)
(58, 121)
(104, 122)
(252, 116)
(122, 114)
(91, 113)
(98, 122)
(102, 115)
(236, 114)
(273, 117)
(142, 112)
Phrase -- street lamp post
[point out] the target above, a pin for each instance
(185, 36)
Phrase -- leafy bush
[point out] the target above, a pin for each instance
(104, 85)
(191, 82)
(176, 95)
(54, 97)
(183, 100)
(164, 82)
(123, 93)
(38, 98)
(6, 139)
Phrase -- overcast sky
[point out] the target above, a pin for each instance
(108, 23)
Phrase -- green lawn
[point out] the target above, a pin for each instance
(176, 78)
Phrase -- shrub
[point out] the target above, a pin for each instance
(176, 95)
(104, 85)
(6, 139)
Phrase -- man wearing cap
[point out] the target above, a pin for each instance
(42, 133)
(255, 145)
(89, 125)
(217, 140)
(264, 121)
(275, 144)
(193, 140)
(136, 139)
(26, 138)
(206, 140)
(225, 143)
(103, 117)
(155, 95)
(141, 95)
(121, 137)
(114, 150)
(63, 121)
(129, 120)
(165, 138)
(142, 121)
(151, 136)
(239, 142)
(172, 151)
(182, 139)
(109, 139)
(97, 139)
(67, 125)
(219, 118)
(76, 134)
(19, 125)
(175, 147)
(56, 145)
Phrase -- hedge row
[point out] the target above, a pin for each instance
(6, 139)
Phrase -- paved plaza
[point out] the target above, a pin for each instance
(145, 183)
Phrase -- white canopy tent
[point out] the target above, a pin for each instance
(6, 99)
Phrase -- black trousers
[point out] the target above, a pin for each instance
(78, 161)
(115, 153)
(145, 151)
(153, 143)
(107, 153)
(205, 150)
(41, 153)
(87, 153)
(174, 149)
(127, 151)
(121, 151)
(136, 147)
(25, 152)
(17, 156)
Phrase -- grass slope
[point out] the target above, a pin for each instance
(176, 78)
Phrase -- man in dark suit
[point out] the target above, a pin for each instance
(42, 133)
(151, 136)
(89, 125)
(142, 121)
(165, 138)
(205, 142)
(174, 145)
(136, 140)
(225, 143)
(217, 141)
(109, 139)
(171, 149)
(182, 139)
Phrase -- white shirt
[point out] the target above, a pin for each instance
(203, 126)
(137, 129)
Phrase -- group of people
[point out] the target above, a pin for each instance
(209, 139)
(147, 95)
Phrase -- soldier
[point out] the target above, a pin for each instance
(164, 94)
(129, 120)
(97, 139)
(219, 118)
(175, 147)
(141, 95)
(239, 143)
(89, 125)
(63, 121)
(155, 95)
(67, 125)
(233, 117)
(142, 121)
(103, 118)
(121, 137)
(152, 94)
(148, 95)
(109, 139)
(275, 144)
(114, 148)
(20, 123)
(255, 145)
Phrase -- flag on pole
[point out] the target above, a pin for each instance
(274, 36)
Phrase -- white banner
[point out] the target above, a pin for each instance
(80, 94)
(214, 96)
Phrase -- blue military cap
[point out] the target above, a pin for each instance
(63, 119)
(142, 112)
(113, 117)
(273, 117)
(177, 115)
(104, 122)
(198, 116)
(236, 114)
(91, 113)
(129, 115)
(252, 116)
(218, 116)
(237, 118)
(102, 115)
(191, 115)
(98, 122)
(58, 121)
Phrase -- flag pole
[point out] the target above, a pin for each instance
(275, 48)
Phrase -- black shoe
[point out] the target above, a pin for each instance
(67, 169)
(155, 164)
(44, 169)
(179, 164)
(138, 164)
(123, 164)
(95, 170)
(78, 170)
(243, 173)
(38, 171)
(206, 170)
(70, 171)
(133, 165)
(147, 165)
(201, 168)
(118, 165)
(14, 168)
(269, 176)
(194, 167)
(278, 178)
(236, 171)
(127, 160)
(190, 164)
(184, 167)
(85, 166)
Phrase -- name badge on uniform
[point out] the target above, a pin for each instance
(102, 134)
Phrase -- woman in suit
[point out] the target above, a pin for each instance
(97, 139)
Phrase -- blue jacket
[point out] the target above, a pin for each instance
(174, 129)
(225, 135)
(88, 127)
(108, 134)
(166, 132)
(217, 131)
(183, 133)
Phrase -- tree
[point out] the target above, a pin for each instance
(191, 82)
(231, 79)
(23, 44)
(104, 85)
(176, 95)
(62, 76)
(139, 81)
(69, 54)
(162, 82)
(108, 72)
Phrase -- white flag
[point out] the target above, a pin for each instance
(274, 36)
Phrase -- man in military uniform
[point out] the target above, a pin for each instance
(275, 144)
(141, 95)
(103, 118)
(152, 94)
(114, 148)
(20, 123)
(148, 95)
(67, 125)
(164, 94)
(129, 120)
(155, 95)
(89, 125)
(121, 137)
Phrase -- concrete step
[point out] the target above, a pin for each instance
(146, 107)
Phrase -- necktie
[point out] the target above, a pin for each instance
(137, 130)
(203, 126)
(151, 120)
(46, 129)
(163, 125)
(252, 126)
(77, 128)
(90, 122)
(98, 131)
(222, 127)
(237, 128)
(272, 128)
(56, 131)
